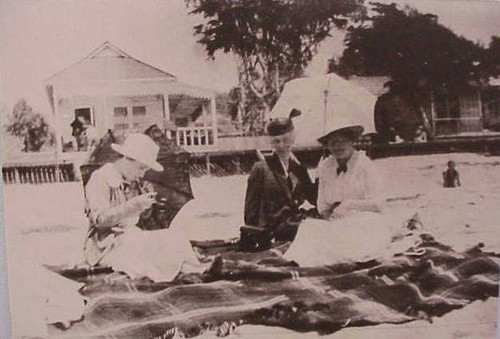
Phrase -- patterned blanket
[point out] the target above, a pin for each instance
(264, 289)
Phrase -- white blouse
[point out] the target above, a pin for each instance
(360, 188)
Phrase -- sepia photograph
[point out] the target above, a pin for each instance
(250, 169)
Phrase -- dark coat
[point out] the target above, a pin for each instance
(268, 190)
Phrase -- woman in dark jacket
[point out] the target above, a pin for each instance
(278, 185)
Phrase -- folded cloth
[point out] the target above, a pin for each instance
(40, 297)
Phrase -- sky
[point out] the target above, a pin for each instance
(38, 38)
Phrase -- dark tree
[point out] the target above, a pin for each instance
(30, 126)
(491, 60)
(273, 39)
(420, 55)
(412, 48)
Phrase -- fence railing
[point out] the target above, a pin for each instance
(38, 174)
(195, 137)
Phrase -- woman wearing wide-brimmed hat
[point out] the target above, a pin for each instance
(348, 179)
(114, 203)
(350, 200)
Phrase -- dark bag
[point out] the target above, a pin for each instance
(255, 239)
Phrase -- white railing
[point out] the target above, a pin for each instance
(196, 137)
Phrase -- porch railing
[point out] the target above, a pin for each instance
(443, 126)
(196, 137)
(38, 174)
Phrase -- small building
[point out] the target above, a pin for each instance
(447, 113)
(457, 113)
(491, 104)
(110, 90)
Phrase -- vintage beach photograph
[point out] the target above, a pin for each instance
(250, 168)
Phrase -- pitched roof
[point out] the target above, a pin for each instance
(108, 62)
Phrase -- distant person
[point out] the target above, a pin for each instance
(451, 178)
(78, 130)
(89, 137)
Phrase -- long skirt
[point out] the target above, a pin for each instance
(158, 255)
(356, 237)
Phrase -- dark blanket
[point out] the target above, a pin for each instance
(264, 289)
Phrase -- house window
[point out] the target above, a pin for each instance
(120, 111)
(85, 113)
(139, 110)
(181, 122)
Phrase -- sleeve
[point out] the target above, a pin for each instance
(309, 188)
(253, 197)
(99, 208)
(97, 197)
(322, 204)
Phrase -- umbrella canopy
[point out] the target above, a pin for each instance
(173, 184)
(327, 103)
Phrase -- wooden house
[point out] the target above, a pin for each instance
(113, 91)
(447, 113)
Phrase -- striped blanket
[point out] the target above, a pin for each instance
(262, 288)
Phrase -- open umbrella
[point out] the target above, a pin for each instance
(326, 102)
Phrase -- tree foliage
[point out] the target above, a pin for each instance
(413, 48)
(29, 126)
(273, 39)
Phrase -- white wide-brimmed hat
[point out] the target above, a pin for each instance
(351, 131)
(141, 148)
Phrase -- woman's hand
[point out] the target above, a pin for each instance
(146, 186)
(143, 201)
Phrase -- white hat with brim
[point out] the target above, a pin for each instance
(141, 148)
(353, 132)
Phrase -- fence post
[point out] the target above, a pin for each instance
(208, 164)
(238, 164)
(16, 175)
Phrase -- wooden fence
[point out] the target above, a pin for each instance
(38, 174)
(229, 163)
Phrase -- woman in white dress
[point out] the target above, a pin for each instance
(115, 200)
(350, 202)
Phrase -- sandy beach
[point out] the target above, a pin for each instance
(45, 224)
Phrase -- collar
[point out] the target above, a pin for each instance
(277, 166)
(351, 163)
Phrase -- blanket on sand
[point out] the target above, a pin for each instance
(264, 289)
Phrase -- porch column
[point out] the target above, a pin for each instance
(433, 116)
(214, 119)
(57, 123)
(481, 111)
(167, 124)
(59, 146)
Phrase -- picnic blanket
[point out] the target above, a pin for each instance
(264, 289)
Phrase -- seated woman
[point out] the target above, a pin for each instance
(114, 202)
(350, 200)
(278, 185)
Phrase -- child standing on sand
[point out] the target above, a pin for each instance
(451, 177)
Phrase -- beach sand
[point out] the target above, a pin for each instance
(45, 224)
